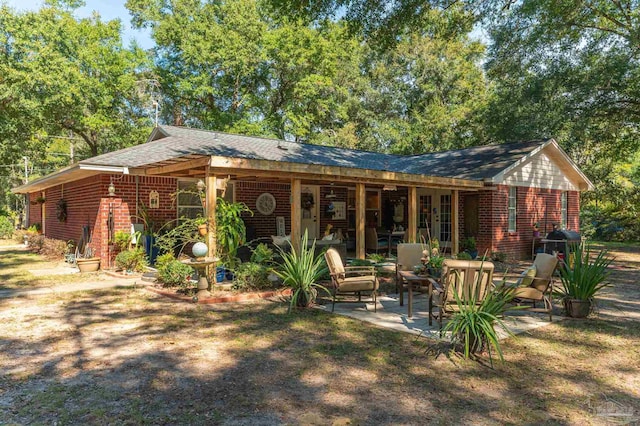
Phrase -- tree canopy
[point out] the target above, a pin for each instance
(402, 76)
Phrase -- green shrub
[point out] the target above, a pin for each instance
(252, 276)
(131, 260)
(375, 257)
(463, 256)
(164, 259)
(122, 240)
(6, 227)
(262, 254)
(172, 272)
(36, 227)
(498, 256)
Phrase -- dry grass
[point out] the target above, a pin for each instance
(128, 356)
(21, 269)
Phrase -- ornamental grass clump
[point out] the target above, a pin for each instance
(301, 270)
(585, 276)
(473, 325)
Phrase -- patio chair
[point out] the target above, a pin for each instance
(409, 256)
(374, 243)
(351, 280)
(464, 278)
(535, 284)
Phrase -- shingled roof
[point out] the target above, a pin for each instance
(169, 142)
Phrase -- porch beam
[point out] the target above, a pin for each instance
(296, 225)
(211, 204)
(315, 179)
(360, 220)
(412, 225)
(455, 235)
(338, 173)
(179, 166)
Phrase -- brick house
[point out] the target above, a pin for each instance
(493, 192)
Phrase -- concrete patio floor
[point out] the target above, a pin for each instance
(393, 316)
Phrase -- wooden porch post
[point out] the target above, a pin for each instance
(454, 222)
(412, 225)
(211, 205)
(296, 226)
(360, 221)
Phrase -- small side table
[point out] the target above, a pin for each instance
(412, 279)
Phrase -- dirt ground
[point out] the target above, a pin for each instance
(129, 356)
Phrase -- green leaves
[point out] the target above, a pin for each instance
(583, 279)
(300, 270)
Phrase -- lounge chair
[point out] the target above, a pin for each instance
(374, 243)
(464, 278)
(535, 284)
(409, 256)
(351, 280)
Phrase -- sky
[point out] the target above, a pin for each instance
(108, 10)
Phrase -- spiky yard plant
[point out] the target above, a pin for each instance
(301, 270)
(474, 324)
(586, 275)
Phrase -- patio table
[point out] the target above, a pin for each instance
(389, 235)
(410, 279)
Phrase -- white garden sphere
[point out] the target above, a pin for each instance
(199, 249)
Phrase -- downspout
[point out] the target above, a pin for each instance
(137, 195)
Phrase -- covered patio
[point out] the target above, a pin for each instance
(309, 186)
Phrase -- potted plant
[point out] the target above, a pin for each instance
(434, 265)
(86, 261)
(469, 246)
(201, 223)
(582, 279)
(473, 325)
(230, 230)
(301, 270)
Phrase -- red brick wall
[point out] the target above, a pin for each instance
(533, 205)
(35, 211)
(89, 204)
(264, 226)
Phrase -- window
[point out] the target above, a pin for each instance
(424, 212)
(512, 208)
(188, 200)
(190, 204)
(445, 218)
(563, 204)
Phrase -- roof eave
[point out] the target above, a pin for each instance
(68, 174)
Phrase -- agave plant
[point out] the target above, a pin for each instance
(300, 270)
(473, 325)
(585, 276)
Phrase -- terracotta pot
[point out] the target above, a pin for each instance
(202, 229)
(91, 264)
(577, 308)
